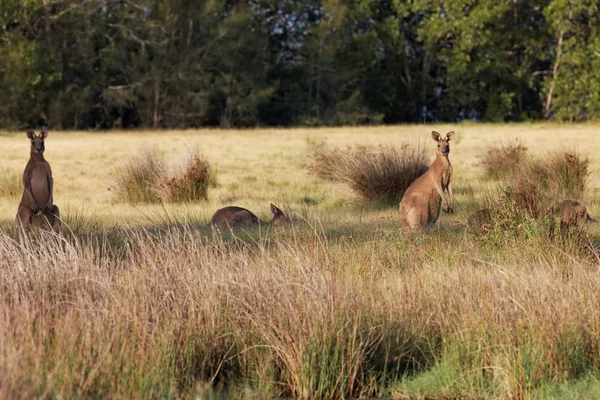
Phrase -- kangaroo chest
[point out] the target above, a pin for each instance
(446, 175)
(39, 183)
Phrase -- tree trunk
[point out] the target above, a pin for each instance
(555, 68)
(156, 113)
(548, 105)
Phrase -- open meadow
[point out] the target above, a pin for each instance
(146, 301)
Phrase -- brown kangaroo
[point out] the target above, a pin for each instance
(38, 186)
(421, 204)
(234, 217)
(571, 214)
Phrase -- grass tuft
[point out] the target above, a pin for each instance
(564, 173)
(140, 178)
(376, 175)
(505, 160)
(145, 178)
(190, 181)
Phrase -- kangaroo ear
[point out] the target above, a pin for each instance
(44, 133)
(276, 211)
(30, 133)
(450, 135)
(436, 136)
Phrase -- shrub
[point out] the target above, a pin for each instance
(374, 174)
(190, 181)
(326, 163)
(563, 173)
(502, 161)
(10, 183)
(140, 179)
(527, 195)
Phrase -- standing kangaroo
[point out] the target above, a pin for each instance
(421, 204)
(38, 185)
(233, 217)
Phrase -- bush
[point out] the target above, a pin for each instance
(563, 173)
(326, 163)
(503, 161)
(140, 179)
(374, 174)
(190, 181)
(10, 183)
(145, 178)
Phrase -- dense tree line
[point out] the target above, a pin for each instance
(183, 63)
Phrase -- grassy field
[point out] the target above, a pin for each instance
(145, 301)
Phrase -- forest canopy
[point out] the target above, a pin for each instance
(101, 64)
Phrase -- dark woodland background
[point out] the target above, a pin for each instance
(101, 64)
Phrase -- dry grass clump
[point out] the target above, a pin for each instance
(505, 160)
(374, 174)
(10, 183)
(530, 190)
(139, 179)
(190, 180)
(145, 178)
(563, 173)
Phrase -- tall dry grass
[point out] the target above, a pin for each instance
(503, 160)
(190, 180)
(146, 178)
(169, 313)
(374, 174)
(138, 180)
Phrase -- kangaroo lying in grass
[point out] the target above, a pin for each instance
(37, 187)
(235, 217)
(421, 204)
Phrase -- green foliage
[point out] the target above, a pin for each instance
(97, 64)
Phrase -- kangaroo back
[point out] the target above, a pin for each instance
(233, 217)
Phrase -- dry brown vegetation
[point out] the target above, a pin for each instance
(145, 301)
(529, 192)
(503, 160)
(145, 178)
(166, 314)
(190, 181)
(374, 174)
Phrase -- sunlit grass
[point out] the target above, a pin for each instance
(139, 301)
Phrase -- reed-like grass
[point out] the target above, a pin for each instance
(376, 175)
(169, 313)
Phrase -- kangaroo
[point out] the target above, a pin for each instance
(571, 214)
(234, 217)
(38, 185)
(421, 204)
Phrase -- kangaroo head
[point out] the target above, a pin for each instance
(37, 142)
(279, 217)
(443, 144)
